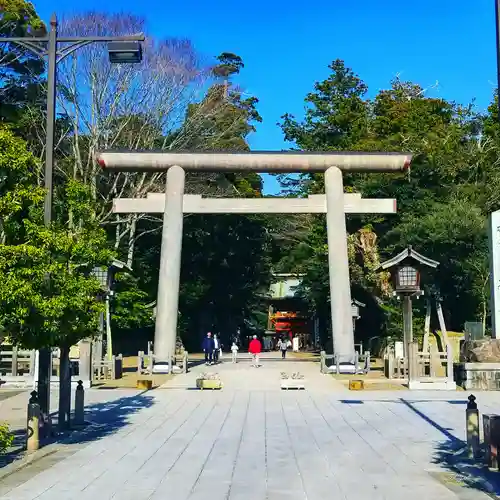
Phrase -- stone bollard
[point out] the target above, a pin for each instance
(323, 368)
(491, 426)
(472, 427)
(79, 418)
(33, 425)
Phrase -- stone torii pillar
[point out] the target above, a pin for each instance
(167, 302)
(340, 283)
(330, 163)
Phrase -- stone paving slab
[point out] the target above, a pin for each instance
(268, 445)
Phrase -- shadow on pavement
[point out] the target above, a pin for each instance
(451, 453)
(107, 418)
(102, 419)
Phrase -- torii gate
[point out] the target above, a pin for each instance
(174, 203)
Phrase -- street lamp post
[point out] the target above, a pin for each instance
(122, 49)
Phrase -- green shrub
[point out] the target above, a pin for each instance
(6, 438)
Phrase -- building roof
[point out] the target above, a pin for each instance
(408, 253)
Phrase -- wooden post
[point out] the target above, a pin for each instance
(427, 325)
(442, 323)
(412, 361)
(435, 361)
(33, 425)
(472, 427)
(449, 364)
(407, 323)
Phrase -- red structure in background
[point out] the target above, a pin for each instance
(288, 323)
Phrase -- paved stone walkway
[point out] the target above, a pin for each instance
(267, 377)
(259, 443)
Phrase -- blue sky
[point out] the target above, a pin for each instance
(287, 45)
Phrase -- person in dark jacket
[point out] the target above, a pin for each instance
(208, 348)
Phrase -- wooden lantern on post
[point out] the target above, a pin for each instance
(405, 269)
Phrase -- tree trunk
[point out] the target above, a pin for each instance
(131, 241)
(64, 389)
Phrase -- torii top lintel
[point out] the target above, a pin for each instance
(257, 161)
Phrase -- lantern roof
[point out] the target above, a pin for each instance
(406, 256)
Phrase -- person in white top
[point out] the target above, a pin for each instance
(234, 352)
(216, 349)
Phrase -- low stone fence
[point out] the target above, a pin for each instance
(478, 376)
(355, 367)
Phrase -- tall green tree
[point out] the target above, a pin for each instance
(48, 297)
(450, 174)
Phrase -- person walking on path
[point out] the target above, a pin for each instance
(283, 348)
(255, 349)
(208, 348)
(234, 352)
(216, 349)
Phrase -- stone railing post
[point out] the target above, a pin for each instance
(140, 362)
(322, 361)
(472, 427)
(14, 361)
(33, 424)
(79, 404)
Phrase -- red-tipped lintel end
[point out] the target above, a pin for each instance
(395, 206)
(101, 162)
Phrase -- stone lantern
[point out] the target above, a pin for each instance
(106, 276)
(406, 269)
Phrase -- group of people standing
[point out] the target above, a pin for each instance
(213, 348)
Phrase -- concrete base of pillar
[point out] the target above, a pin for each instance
(164, 368)
(349, 368)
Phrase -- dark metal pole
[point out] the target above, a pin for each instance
(497, 17)
(45, 354)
